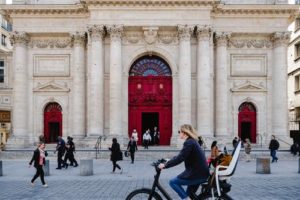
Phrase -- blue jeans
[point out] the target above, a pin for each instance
(177, 183)
(273, 154)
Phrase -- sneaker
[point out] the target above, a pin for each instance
(32, 184)
(121, 170)
(58, 168)
(45, 185)
(112, 172)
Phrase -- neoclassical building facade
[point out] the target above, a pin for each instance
(95, 68)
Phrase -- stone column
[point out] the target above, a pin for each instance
(115, 80)
(78, 93)
(221, 85)
(184, 74)
(279, 84)
(204, 88)
(20, 92)
(95, 97)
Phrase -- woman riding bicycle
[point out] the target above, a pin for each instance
(196, 168)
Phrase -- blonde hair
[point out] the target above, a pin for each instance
(189, 130)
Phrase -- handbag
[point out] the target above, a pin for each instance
(120, 155)
(126, 153)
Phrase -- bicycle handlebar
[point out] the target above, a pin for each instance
(156, 163)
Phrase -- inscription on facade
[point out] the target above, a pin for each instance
(248, 65)
(51, 65)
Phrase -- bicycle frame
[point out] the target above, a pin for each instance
(157, 185)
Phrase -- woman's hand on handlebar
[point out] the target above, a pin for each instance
(161, 166)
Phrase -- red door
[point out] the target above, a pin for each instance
(150, 104)
(52, 122)
(247, 122)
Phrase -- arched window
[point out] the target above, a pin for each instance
(150, 66)
(53, 107)
(247, 106)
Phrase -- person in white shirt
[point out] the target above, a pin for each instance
(147, 138)
(135, 135)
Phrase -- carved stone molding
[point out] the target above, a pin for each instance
(222, 38)
(168, 37)
(250, 43)
(132, 38)
(79, 38)
(19, 38)
(51, 87)
(249, 87)
(115, 31)
(51, 43)
(281, 38)
(203, 32)
(184, 32)
(96, 32)
(150, 34)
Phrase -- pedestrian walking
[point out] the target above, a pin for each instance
(39, 161)
(146, 139)
(70, 149)
(248, 147)
(274, 146)
(116, 155)
(155, 136)
(135, 135)
(235, 142)
(60, 149)
(132, 147)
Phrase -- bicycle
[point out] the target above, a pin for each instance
(208, 191)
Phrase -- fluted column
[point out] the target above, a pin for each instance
(184, 75)
(279, 84)
(78, 92)
(221, 84)
(115, 80)
(204, 88)
(20, 91)
(95, 98)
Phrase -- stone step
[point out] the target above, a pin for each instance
(153, 153)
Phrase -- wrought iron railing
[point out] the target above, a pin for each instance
(98, 144)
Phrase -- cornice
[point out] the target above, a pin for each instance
(39, 10)
(150, 3)
(255, 10)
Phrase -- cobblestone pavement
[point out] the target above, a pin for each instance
(282, 183)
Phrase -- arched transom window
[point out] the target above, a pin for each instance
(150, 66)
(53, 107)
(247, 106)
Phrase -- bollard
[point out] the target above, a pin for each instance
(1, 174)
(86, 167)
(299, 166)
(47, 168)
(263, 166)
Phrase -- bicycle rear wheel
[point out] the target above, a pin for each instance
(142, 194)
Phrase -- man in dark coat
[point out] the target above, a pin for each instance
(274, 146)
(60, 148)
(132, 147)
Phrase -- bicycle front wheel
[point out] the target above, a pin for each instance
(143, 194)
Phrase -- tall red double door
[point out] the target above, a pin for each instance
(150, 105)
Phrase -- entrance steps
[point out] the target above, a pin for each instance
(151, 154)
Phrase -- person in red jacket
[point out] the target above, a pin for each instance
(39, 160)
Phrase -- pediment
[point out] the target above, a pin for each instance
(248, 87)
(51, 87)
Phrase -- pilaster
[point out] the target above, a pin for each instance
(184, 75)
(95, 98)
(221, 114)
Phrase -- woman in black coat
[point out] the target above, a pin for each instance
(116, 155)
(39, 160)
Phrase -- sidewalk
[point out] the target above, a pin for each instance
(282, 183)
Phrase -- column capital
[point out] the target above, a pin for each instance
(281, 38)
(79, 38)
(222, 38)
(96, 32)
(115, 31)
(17, 37)
(184, 32)
(203, 32)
